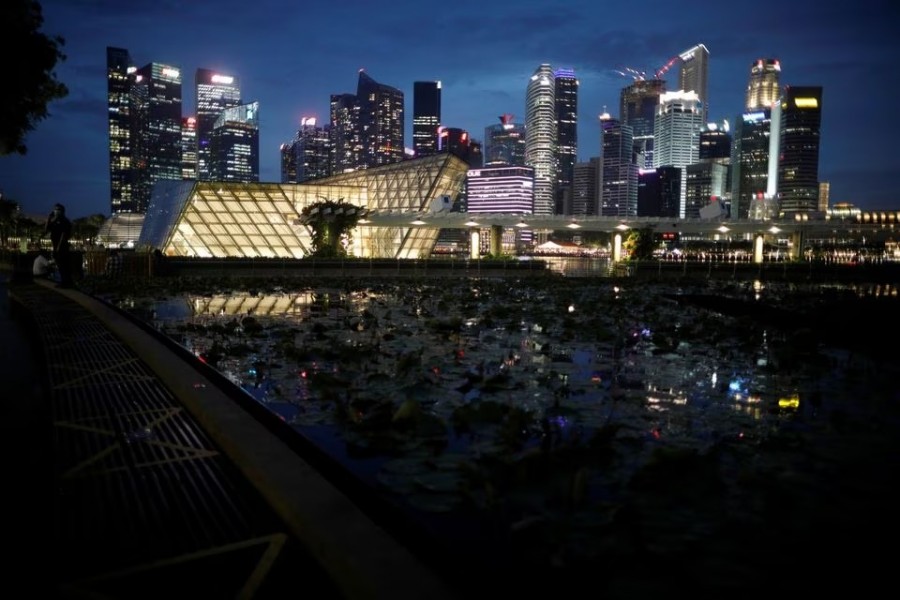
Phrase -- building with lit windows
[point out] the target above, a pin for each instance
(234, 144)
(540, 137)
(676, 133)
(586, 188)
(119, 76)
(659, 192)
(214, 92)
(618, 173)
(763, 88)
(502, 190)
(504, 143)
(156, 126)
(693, 75)
(235, 219)
(706, 182)
(307, 156)
(798, 163)
(637, 108)
(426, 117)
(566, 97)
(750, 162)
(189, 148)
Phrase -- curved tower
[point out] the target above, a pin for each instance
(540, 136)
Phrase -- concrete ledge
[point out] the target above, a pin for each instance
(364, 560)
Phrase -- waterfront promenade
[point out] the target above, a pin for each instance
(132, 474)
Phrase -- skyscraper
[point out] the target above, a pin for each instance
(189, 148)
(381, 121)
(763, 88)
(540, 137)
(566, 96)
(344, 127)
(676, 133)
(586, 187)
(637, 108)
(504, 143)
(798, 165)
(156, 114)
(119, 76)
(214, 93)
(426, 117)
(234, 144)
(750, 163)
(693, 75)
(618, 173)
(308, 156)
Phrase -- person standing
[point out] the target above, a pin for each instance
(59, 227)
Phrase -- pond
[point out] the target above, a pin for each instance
(620, 433)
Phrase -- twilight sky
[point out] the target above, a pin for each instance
(291, 56)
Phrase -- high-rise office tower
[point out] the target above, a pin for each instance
(189, 148)
(706, 181)
(234, 144)
(566, 96)
(458, 142)
(676, 133)
(156, 140)
(308, 156)
(637, 108)
(659, 192)
(618, 173)
(346, 142)
(426, 117)
(119, 76)
(693, 75)
(715, 142)
(798, 164)
(540, 137)
(381, 121)
(504, 143)
(750, 160)
(763, 89)
(214, 92)
(824, 195)
(586, 187)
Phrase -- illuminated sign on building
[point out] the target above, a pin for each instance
(169, 72)
(225, 79)
(806, 102)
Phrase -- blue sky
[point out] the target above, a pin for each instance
(291, 56)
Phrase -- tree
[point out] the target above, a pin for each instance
(27, 60)
(641, 243)
(330, 222)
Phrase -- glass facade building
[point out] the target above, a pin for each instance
(693, 75)
(504, 143)
(540, 137)
(234, 144)
(189, 148)
(235, 219)
(119, 75)
(750, 162)
(637, 107)
(676, 133)
(566, 97)
(798, 164)
(308, 156)
(214, 92)
(426, 117)
(618, 173)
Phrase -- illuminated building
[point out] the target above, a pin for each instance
(824, 195)
(236, 219)
(189, 148)
(763, 88)
(715, 143)
(693, 75)
(156, 138)
(504, 143)
(426, 117)
(798, 164)
(566, 97)
(234, 144)
(540, 137)
(637, 107)
(676, 133)
(214, 92)
(618, 173)
(457, 141)
(308, 156)
(586, 188)
(502, 190)
(119, 75)
(750, 162)
(706, 181)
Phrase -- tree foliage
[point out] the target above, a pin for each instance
(330, 222)
(640, 243)
(27, 60)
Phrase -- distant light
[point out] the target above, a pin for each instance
(806, 102)
(471, 224)
(310, 121)
(723, 229)
(226, 79)
(521, 224)
(172, 73)
(622, 227)
(418, 222)
(573, 226)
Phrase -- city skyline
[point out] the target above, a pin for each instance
(484, 68)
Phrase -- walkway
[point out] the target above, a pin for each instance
(137, 476)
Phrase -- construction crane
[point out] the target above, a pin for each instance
(638, 75)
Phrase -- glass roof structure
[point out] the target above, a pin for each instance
(248, 220)
(121, 230)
